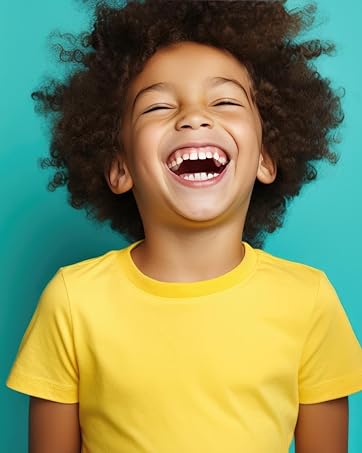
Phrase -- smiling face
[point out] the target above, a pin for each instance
(204, 96)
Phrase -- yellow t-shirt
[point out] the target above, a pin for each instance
(213, 366)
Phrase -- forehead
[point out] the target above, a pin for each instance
(186, 62)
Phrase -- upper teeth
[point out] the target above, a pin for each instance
(207, 152)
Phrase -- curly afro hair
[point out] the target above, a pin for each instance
(298, 108)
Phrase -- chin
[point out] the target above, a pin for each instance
(206, 216)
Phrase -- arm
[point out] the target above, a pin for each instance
(53, 427)
(322, 427)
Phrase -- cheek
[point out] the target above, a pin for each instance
(245, 124)
(147, 148)
(147, 134)
(247, 133)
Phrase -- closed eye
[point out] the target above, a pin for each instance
(156, 108)
(225, 102)
(164, 107)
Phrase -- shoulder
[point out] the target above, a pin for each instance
(87, 279)
(288, 272)
(95, 265)
(295, 291)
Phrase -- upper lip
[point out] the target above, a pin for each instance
(197, 144)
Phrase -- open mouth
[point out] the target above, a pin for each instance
(198, 165)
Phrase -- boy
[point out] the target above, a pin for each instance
(190, 339)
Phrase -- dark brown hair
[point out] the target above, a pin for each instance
(298, 107)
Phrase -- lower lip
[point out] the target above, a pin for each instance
(199, 184)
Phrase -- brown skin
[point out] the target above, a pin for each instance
(181, 223)
(53, 427)
(322, 427)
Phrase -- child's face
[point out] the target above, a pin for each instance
(190, 111)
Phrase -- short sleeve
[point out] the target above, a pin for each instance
(45, 365)
(331, 361)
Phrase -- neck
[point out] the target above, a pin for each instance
(169, 256)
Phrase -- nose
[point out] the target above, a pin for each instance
(194, 119)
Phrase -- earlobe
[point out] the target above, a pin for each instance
(118, 176)
(267, 169)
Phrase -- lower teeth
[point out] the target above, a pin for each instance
(199, 176)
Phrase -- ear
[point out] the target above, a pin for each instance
(118, 176)
(267, 169)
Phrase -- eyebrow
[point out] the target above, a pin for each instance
(165, 86)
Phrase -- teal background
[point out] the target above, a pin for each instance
(39, 232)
